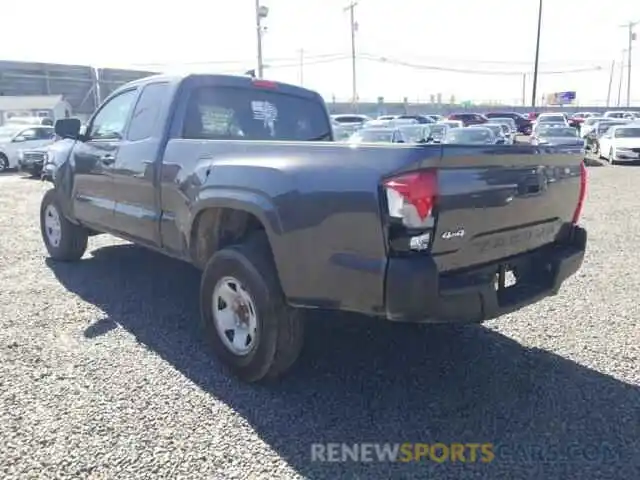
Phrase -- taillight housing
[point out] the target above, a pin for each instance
(410, 201)
(583, 193)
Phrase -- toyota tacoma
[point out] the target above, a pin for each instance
(241, 177)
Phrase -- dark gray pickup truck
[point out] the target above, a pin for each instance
(241, 177)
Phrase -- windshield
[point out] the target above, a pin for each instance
(231, 113)
(468, 135)
(373, 136)
(559, 132)
(627, 132)
(551, 119)
(9, 131)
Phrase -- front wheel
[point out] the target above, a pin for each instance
(244, 314)
(64, 240)
(4, 163)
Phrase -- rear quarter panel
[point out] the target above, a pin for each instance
(319, 203)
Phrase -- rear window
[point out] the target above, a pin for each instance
(552, 118)
(464, 135)
(230, 113)
(348, 119)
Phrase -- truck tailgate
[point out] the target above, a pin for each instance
(497, 202)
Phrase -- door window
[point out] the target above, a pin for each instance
(44, 133)
(111, 121)
(29, 134)
(147, 111)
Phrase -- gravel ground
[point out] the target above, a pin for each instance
(105, 375)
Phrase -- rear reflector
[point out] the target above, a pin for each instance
(264, 83)
(583, 193)
(411, 197)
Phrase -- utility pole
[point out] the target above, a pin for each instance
(535, 68)
(261, 13)
(613, 67)
(354, 28)
(301, 66)
(632, 37)
(620, 79)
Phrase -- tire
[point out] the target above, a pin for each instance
(277, 340)
(70, 241)
(4, 163)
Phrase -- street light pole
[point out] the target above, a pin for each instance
(261, 13)
(535, 67)
(354, 28)
(620, 79)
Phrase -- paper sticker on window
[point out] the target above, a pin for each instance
(267, 112)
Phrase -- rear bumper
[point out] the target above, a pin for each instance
(416, 292)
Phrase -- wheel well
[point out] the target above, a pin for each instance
(216, 228)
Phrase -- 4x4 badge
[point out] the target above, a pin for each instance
(457, 234)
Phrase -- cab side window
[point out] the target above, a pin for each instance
(111, 120)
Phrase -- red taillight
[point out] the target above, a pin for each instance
(411, 197)
(264, 83)
(583, 193)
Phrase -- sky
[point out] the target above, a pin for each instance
(402, 45)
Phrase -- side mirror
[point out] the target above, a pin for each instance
(68, 127)
(19, 139)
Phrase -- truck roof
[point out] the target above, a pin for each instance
(222, 80)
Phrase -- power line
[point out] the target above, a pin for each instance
(474, 71)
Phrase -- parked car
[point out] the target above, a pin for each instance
(555, 118)
(578, 118)
(588, 125)
(420, 133)
(498, 132)
(471, 136)
(452, 123)
(422, 119)
(619, 114)
(350, 119)
(507, 132)
(30, 121)
(434, 117)
(523, 124)
(16, 137)
(469, 119)
(592, 138)
(377, 135)
(558, 136)
(341, 133)
(386, 118)
(241, 178)
(437, 132)
(621, 143)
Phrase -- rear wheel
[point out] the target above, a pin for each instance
(64, 240)
(244, 314)
(4, 162)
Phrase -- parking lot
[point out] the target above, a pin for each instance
(105, 374)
